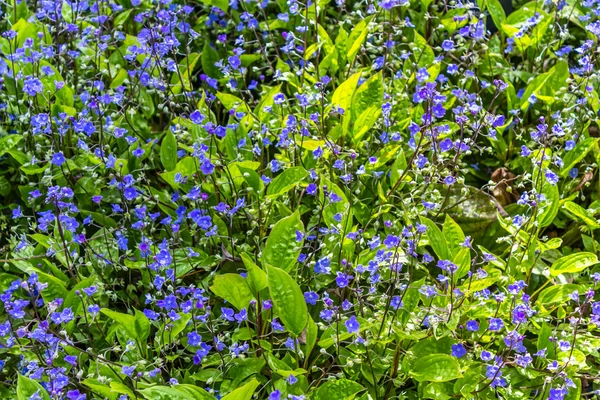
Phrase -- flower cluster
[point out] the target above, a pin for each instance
(294, 200)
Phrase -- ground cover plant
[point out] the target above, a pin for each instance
(331, 199)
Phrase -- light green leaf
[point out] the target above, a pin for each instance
(282, 249)
(233, 288)
(142, 326)
(288, 300)
(8, 142)
(577, 154)
(243, 393)
(436, 239)
(556, 294)
(549, 212)
(339, 389)
(496, 12)
(209, 58)
(27, 387)
(357, 37)
(168, 152)
(257, 278)
(573, 263)
(342, 97)
(453, 234)
(285, 181)
(436, 368)
(130, 323)
(179, 392)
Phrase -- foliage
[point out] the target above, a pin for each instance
(299, 200)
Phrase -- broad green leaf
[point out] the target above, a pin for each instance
(496, 12)
(577, 212)
(573, 263)
(168, 152)
(556, 294)
(368, 95)
(4, 186)
(545, 85)
(282, 249)
(243, 393)
(285, 181)
(436, 368)
(453, 234)
(312, 333)
(365, 122)
(27, 387)
(577, 154)
(338, 389)
(549, 212)
(398, 168)
(132, 324)
(342, 97)
(233, 288)
(257, 278)
(196, 392)
(209, 58)
(288, 300)
(357, 37)
(142, 325)
(436, 239)
(231, 102)
(178, 392)
(8, 142)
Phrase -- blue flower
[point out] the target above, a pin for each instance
(458, 350)
(352, 325)
(58, 159)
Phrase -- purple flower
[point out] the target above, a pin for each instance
(58, 159)
(472, 325)
(458, 350)
(128, 370)
(352, 325)
(496, 324)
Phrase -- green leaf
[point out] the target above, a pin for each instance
(312, 333)
(545, 85)
(209, 58)
(179, 392)
(285, 181)
(342, 97)
(573, 263)
(142, 325)
(453, 234)
(243, 393)
(436, 239)
(556, 294)
(436, 368)
(357, 37)
(257, 278)
(4, 187)
(168, 152)
(339, 389)
(27, 387)
(8, 142)
(233, 288)
(496, 12)
(577, 154)
(288, 300)
(133, 325)
(282, 249)
(196, 392)
(575, 211)
(183, 76)
(549, 212)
